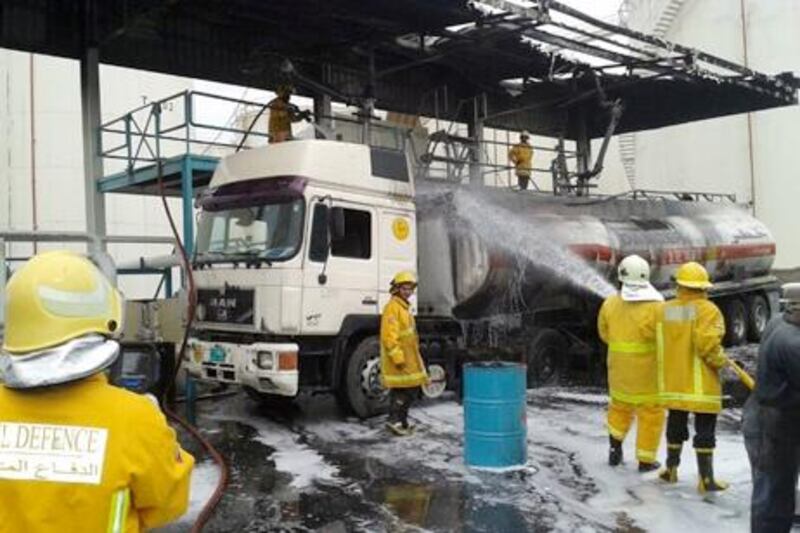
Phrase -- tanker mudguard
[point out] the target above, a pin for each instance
(360, 325)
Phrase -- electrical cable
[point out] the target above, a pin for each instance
(224, 474)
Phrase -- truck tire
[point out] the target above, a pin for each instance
(546, 357)
(758, 315)
(735, 315)
(365, 395)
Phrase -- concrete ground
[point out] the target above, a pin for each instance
(309, 468)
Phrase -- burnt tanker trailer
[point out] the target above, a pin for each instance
(526, 273)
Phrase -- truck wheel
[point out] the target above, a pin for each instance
(735, 322)
(757, 317)
(362, 380)
(545, 357)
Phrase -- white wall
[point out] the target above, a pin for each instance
(715, 155)
(58, 148)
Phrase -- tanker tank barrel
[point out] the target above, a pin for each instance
(501, 251)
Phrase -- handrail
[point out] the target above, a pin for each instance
(135, 136)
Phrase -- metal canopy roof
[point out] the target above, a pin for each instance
(424, 56)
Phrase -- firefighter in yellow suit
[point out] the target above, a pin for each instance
(78, 454)
(281, 115)
(690, 332)
(627, 324)
(402, 369)
(521, 156)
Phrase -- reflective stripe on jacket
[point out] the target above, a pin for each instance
(689, 337)
(629, 330)
(401, 362)
(67, 481)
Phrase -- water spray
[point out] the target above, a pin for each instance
(515, 235)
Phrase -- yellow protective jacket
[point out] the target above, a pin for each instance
(280, 118)
(629, 330)
(521, 155)
(401, 362)
(689, 336)
(88, 457)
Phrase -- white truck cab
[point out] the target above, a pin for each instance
(297, 243)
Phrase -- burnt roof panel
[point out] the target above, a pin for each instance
(416, 47)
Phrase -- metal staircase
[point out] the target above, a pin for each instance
(669, 12)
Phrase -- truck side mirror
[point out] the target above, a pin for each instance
(336, 223)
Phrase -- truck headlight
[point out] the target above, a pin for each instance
(264, 360)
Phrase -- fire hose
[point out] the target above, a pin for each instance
(211, 504)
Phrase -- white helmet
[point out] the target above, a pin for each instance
(524, 133)
(634, 271)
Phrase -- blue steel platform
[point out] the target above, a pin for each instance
(190, 171)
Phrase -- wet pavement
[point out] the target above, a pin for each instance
(310, 468)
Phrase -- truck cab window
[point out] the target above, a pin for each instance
(357, 240)
(318, 247)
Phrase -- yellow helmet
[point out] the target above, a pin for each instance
(405, 276)
(284, 89)
(693, 276)
(57, 297)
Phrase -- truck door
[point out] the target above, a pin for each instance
(397, 248)
(341, 274)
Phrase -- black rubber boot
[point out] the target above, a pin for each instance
(670, 472)
(705, 469)
(614, 451)
(648, 467)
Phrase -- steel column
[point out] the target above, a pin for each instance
(475, 132)
(92, 162)
(322, 112)
(187, 202)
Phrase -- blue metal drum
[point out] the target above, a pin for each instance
(495, 423)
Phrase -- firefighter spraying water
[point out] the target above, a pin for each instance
(627, 324)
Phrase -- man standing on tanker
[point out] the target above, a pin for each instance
(402, 369)
(521, 156)
(70, 461)
(281, 115)
(627, 324)
(690, 332)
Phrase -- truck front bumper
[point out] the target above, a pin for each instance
(266, 367)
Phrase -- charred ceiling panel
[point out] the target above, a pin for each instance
(547, 61)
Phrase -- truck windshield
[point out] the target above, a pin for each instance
(270, 232)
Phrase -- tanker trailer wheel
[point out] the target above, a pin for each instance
(362, 380)
(546, 358)
(757, 317)
(735, 315)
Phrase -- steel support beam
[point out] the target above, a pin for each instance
(583, 149)
(475, 132)
(323, 112)
(92, 162)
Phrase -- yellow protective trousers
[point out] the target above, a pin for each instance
(650, 425)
